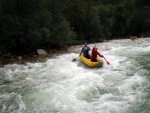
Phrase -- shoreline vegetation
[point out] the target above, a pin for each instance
(35, 57)
(55, 25)
(28, 58)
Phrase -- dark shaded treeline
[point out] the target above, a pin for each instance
(26, 25)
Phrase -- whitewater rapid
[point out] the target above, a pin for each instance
(59, 85)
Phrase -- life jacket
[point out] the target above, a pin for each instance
(94, 53)
(86, 52)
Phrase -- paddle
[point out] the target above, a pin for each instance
(74, 59)
(106, 61)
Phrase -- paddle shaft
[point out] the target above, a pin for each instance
(106, 61)
(75, 59)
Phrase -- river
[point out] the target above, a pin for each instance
(59, 85)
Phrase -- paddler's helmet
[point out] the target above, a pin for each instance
(85, 44)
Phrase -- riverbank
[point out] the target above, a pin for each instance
(33, 58)
(28, 58)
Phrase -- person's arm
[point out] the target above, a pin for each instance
(81, 51)
(89, 48)
(100, 54)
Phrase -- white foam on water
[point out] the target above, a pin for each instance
(12, 102)
(59, 85)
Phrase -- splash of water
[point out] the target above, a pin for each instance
(61, 86)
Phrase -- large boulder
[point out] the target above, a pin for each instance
(41, 52)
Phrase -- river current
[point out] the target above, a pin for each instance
(59, 85)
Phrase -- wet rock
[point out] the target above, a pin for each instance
(19, 57)
(41, 52)
(22, 63)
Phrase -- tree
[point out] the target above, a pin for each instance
(105, 17)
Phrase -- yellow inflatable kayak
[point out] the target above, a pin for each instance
(91, 64)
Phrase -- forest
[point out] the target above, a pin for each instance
(26, 25)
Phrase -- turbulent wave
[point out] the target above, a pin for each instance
(59, 85)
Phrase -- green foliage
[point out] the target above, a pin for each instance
(26, 25)
(33, 38)
(119, 21)
(75, 42)
(106, 18)
(76, 13)
(95, 28)
(61, 31)
(146, 18)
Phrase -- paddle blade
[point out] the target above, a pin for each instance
(108, 63)
(73, 60)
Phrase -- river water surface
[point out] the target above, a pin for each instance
(59, 85)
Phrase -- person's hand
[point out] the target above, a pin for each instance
(102, 56)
